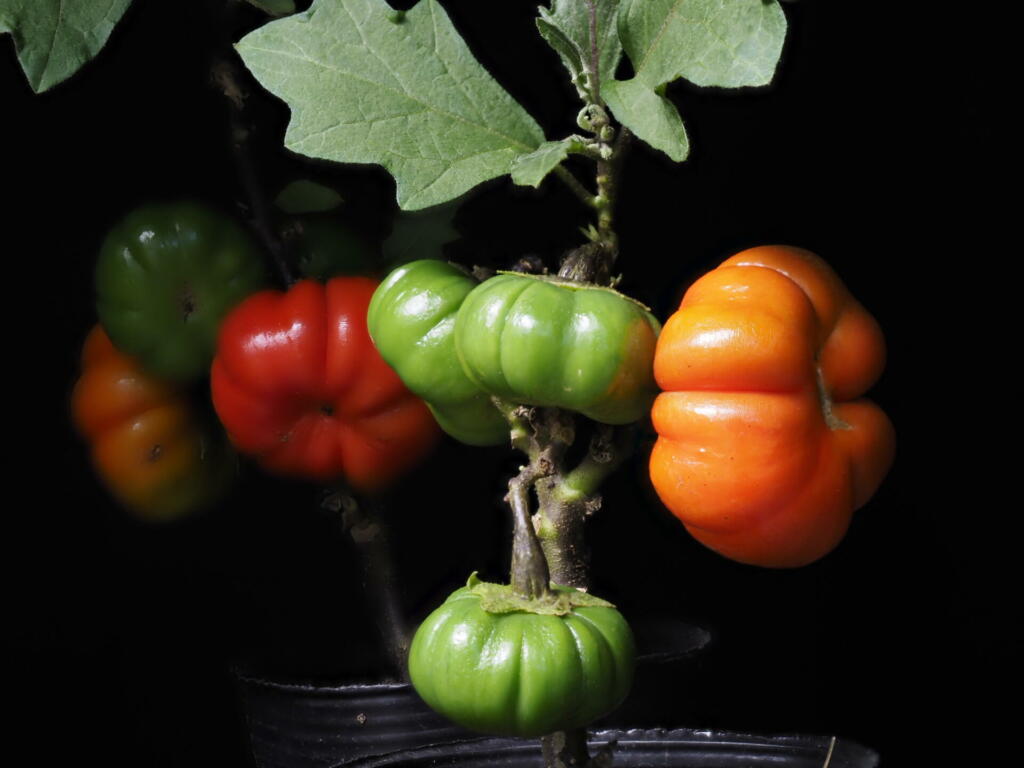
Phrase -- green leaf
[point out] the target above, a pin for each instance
(305, 196)
(724, 43)
(54, 38)
(529, 169)
(275, 7)
(566, 28)
(421, 234)
(367, 85)
(652, 117)
(567, 52)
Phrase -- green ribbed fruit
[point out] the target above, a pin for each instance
(165, 278)
(518, 673)
(549, 342)
(411, 320)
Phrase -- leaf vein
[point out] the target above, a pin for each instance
(427, 107)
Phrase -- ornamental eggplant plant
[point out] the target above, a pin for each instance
(754, 386)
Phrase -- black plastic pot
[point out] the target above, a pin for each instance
(318, 726)
(679, 748)
(297, 725)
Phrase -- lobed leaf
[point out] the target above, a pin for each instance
(369, 85)
(54, 38)
(724, 43)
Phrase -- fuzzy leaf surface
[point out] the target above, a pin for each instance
(566, 28)
(368, 85)
(724, 43)
(54, 38)
(652, 117)
(529, 169)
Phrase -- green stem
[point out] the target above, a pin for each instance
(608, 450)
(574, 184)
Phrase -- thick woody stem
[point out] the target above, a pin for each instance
(530, 575)
(368, 534)
(567, 499)
(566, 749)
(543, 436)
(559, 525)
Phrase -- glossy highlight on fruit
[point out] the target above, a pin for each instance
(549, 342)
(412, 322)
(299, 385)
(148, 446)
(765, 445)
(518, 673)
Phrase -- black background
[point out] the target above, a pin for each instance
(874, 148)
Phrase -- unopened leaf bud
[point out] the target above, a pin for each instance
(583, 119)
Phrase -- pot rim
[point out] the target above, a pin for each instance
(298, 684)
(697, 639)
(640, 737)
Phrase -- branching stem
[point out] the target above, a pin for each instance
(575, 185)
(567, 497)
